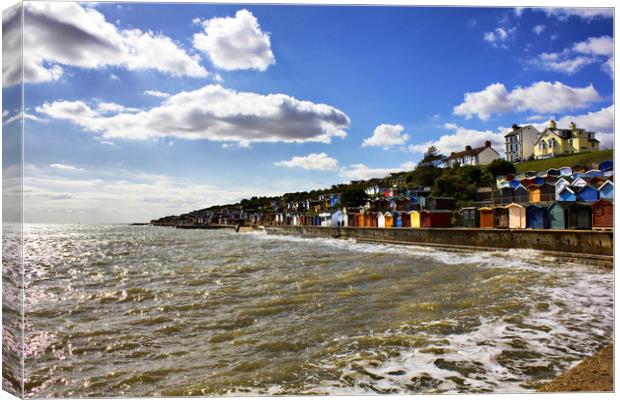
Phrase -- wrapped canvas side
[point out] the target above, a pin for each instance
(12, 202)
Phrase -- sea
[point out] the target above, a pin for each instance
(117, 310)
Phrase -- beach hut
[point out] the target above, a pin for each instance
(594, 172)
(566, 171)
(486, 217)
(559, 185)
(551, 179)
(539, 180)
(326, 219)
(553, 172)
(414, 216)
(606, 165)
(373, 219)
(602, 214)
(506, 194)
(514, 183)
(579, 182)
(557, 215)
(544, 192)
(471, 217)
(579, 169)
(597, 181)
(587, 193)
(389, 219)
(500, 217)
(568, 194)
(579, 216)
(527, 182)
(516, 216)
(609, 174)
(521, 194)
(503, 184)
(337, 218)
(536, 217)
(362, 218)
(381, 220)
(436, 218)
(606, 190)
(397, 219)
(406, 219)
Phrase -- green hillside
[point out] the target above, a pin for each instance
(593, 157)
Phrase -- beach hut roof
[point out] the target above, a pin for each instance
(485, 209)
(587, 186)
(607, 182)
(571, 189)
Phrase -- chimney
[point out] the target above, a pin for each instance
(467, 148)
(515, 127)
(451, 154)
(487, 143)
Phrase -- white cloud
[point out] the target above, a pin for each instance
(357, 172)
(500, 37)
(386, 136)
(542, 97)
(460, 138)
(234, 43)
(538, 118)
(608, 66)
(114, 77)
(66, 167)
(156, 93)
(587, 14)
(538, 29)
(213, 113)
(67, 34)
(601, 121)
(572, 59)
(319, 162)
(108, 108)
(602, 46)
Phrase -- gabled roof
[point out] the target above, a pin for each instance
(473, 152)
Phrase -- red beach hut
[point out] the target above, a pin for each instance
(602, 214)
(436, 218)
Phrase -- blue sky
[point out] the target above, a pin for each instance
(167, 108)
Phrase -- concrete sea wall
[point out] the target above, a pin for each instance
(596, 243)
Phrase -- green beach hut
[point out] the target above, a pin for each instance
(558, 214)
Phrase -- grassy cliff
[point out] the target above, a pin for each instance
(593, 157)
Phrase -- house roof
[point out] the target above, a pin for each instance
(470, 152)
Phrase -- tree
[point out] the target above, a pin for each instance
(500, 167)
(353, 197)
(427, 170)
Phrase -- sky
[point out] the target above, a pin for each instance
(136, 111)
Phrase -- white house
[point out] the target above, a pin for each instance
(472, 156)
(520, 142)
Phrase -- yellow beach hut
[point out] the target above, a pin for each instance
(389, 220)
(415, 219)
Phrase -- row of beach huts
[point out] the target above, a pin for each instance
(564, 198)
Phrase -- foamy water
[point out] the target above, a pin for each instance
(139, 311)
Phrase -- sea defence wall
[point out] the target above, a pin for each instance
(595, 243)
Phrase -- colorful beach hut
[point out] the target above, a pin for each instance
(436, 218)
(557, 215)
(381, 220)
(536, 217)
(579, 216)
(521, 194)
(406, 219)
(602, 214)
(414, 216)
(606, 190)
(606, 165)
(500, 217)
(486, 217)
(568, 194)
(397, 219)
(588, 193)
(516, 216)
(471, 217)
(389, 219)
(566, 171)
(544, 192)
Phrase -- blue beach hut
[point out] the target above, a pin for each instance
(536, 217)
(606, 191)
(587, 193)
(594, 172)
(566, 171)
(521, 194)
(398, 219)
(539, 180)
(567, 194)
(317, 220)
(514, 183)
(606, 165)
